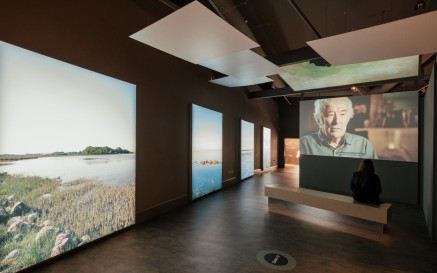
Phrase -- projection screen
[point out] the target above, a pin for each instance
(206, 144)
(247, 150)
(266, 148)
(67, 157)
(380, 126)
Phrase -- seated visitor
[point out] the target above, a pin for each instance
(365, 184)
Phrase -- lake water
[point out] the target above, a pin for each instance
(206, 178)
(247, 163)
(108, 169)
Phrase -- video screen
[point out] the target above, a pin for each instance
(309, 76)
(380, 126)
(247, 149)
(206, 143)
(266, 148)
(67, 157)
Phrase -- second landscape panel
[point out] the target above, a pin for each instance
(206, 143)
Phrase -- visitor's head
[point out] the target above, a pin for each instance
(366, 167)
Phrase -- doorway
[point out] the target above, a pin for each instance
(291, 151)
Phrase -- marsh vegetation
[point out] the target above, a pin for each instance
(41, 217)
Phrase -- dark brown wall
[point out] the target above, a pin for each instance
(95, 35)
(288, 124)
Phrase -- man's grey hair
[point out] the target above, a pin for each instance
(320, 107)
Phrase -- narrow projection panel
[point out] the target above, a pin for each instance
(242, 65)
(206, 145)
(67, 157)
(247, 149)
(308, 76)
(406, 37)
(195, 34)
(266, 148)
(233, 82)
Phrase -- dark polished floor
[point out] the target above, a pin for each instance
(224, 231)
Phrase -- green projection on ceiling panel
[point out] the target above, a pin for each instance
(307, 76)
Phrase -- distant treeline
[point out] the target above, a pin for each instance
(90, 150)
(12, 157)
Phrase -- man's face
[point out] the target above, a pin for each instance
(336, 118)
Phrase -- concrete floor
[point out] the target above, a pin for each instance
(224, 231)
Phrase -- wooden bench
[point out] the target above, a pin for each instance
(331, 202)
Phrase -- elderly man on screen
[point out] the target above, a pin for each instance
(332, 115)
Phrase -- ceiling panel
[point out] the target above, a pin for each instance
(233, 82)
(307, 76)
(406, 37)
(244, 64)
(195, 34)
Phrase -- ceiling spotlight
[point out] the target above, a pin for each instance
(356, 90)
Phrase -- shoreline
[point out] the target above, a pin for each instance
(12, 158)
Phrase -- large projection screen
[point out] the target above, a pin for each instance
(266, 148)
(206, 144)
(247, 150)
(380, 126)
(67, 157)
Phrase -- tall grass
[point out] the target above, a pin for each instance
(91, 209)
(81, 207)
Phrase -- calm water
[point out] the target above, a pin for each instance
(206, 178)
(108, 169)
(247, 163)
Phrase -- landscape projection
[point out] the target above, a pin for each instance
(247, 149)
(67, 157)
(206, 143)
(266, 148)
(309, 76)
(379, 126)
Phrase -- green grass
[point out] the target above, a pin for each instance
(32, 251)
(81, 207)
